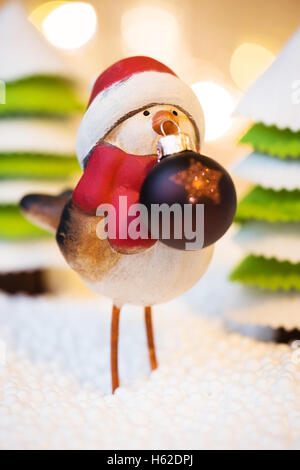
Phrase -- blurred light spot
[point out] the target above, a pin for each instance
(218, 105)
(248, 61)
(150, 31)
(39, 14)
(70, 25)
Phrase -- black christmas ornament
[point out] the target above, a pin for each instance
(182, 177)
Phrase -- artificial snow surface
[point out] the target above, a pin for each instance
(253, 306)
(55, 382)
(55, 379)
(274, 98)
(38, 136)
(272, 240)
(30, 255)
(216, 296)
(269, 172)
(12, 191)
(33, 56)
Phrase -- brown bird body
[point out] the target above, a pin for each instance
(147, 278)
(133, 103)
(154, 276)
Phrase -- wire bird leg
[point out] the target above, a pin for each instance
(150, 338)
(114, 343)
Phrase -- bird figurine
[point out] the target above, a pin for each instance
(134, 105)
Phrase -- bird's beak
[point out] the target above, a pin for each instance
(165, 123)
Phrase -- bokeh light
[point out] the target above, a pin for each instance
(150, 31)
(218, 105)
(248, 61)
(42, 11)
(69, 25)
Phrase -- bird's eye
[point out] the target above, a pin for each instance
(146, 113)
(175, 113)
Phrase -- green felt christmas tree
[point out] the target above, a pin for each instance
(38, 121)
(269, 214)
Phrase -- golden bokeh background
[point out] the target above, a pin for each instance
(209, 31)
(224, 44)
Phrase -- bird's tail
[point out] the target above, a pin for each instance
(45, 210)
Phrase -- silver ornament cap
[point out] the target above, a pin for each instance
(174, 143)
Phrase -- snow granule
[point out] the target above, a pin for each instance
(55, 381)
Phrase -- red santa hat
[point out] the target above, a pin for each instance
(127, 86)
